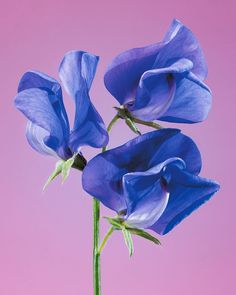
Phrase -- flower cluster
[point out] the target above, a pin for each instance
(151, 182)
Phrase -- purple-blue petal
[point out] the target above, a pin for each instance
(146, 194)
(36, 79)
(180, 42)
(187, 193)
(36, 105)
(137, 155)
(102, 179)
(77, 72)
(36, 137)
(191, 102)
(150, 207)
(123, 74)
(157, 89)
(90, 129)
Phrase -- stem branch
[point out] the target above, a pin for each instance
(113, 121)
(108, 234)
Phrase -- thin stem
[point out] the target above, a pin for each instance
(96, 255)
(113, 121)
(108, 234)
(96, 232)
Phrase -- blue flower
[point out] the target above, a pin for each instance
(162, 81)
(40, 100)
(151, 181)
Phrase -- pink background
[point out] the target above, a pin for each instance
(45, 239)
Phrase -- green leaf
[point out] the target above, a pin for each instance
(66, 168)
(144, 234)
(128, 240)
(55, 173)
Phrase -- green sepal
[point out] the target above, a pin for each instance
(66, 168)
(122, 112)
(55, 173)
(120, 224)
(115, 222)
(132, 126)
(62, 167)
(128, 240)
(125, 114)
(142, 233)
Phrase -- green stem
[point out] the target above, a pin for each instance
(96, 254)
(96, 233)
(113, 121)
(108, 234)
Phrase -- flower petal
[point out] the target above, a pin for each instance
(146, 194)
(180, 42)
(35, 79)
(187, 193)
(151, 207)
(102, 179)
(139, 154)
(122, 76)
(35, 104)
(36, 137)
(90, 129)
(77, 71)
(191, 102)
(156, 90)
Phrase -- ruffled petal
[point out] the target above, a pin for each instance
(76, 72)
(180, 42)
(156, 91)
(187, 193)
(122, 76)
(137, 155)
(102, 179)
(150, 208)
(90, 129)
(35, 104)
(176, 146)
(35, 79)
(36, 136)
(146, 195)
(191, 102)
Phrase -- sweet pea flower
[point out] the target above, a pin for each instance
(40, 99)
(151, 181)
(162, 81)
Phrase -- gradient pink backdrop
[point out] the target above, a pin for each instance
(45, 239)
